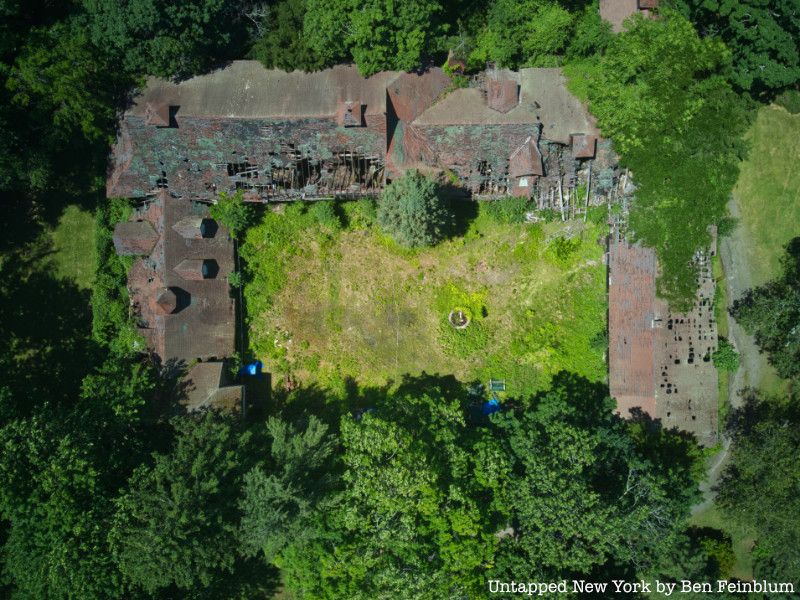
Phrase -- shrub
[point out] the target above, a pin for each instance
(232, 212)
(235, 279)
(325, 214)
(790, 100)
(507, 210)
(110, 293)
(562, 248)
(413, 211)
(725, 358)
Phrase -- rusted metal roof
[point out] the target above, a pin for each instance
(205, 388)
(411, 94)
(526, 160)
(202, 157)
(631, 296)
(183, 319)
(660, 361)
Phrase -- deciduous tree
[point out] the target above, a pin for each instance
(771, 313)
(177, 522)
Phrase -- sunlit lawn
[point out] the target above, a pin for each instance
(73, 246)
(768, 190)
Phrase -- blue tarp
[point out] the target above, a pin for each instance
(490, 407)
(252, 369)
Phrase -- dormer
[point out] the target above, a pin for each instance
(197, 269)
(195, 228)
(502, 94)
(349, 114)
(160, 114)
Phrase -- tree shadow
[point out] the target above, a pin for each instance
(463, 208)
(45, 332)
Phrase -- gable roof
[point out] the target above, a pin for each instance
(543, 97)
(205, 388)
(526, 160)
(631, 297)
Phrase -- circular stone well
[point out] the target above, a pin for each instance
(459, 318)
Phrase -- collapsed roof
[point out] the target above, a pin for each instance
(660, 361)
(283, 135)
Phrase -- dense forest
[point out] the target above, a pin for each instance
(107, 492)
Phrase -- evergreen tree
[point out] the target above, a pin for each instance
(413, 211)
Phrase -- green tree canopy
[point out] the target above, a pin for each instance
(762, 35)
(281, 496)
(660, 92)
(586, 490)
(435, 499)
(531, 33)
(233, 212)
(408, 521)
(771, 313)
(280, 41)
(413, 211)
(177, 523)
(758, 488)
(378, 34)
(157, 37)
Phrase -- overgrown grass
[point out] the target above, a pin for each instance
(329, 298)
(74, 246)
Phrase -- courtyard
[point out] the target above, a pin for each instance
(330, 299)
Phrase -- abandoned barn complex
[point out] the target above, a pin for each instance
(282, 137)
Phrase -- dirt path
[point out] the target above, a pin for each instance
(738, 279)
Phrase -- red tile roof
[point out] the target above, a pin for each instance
(631, 295)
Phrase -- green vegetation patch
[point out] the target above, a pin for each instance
(335, 299)
(73, 245)
(767, 191)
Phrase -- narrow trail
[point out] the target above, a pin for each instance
(738, 279)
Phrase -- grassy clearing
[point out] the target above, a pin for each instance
(768, 190)
(74, 246)
(769, 204)
(742, 540)
(333, 299)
